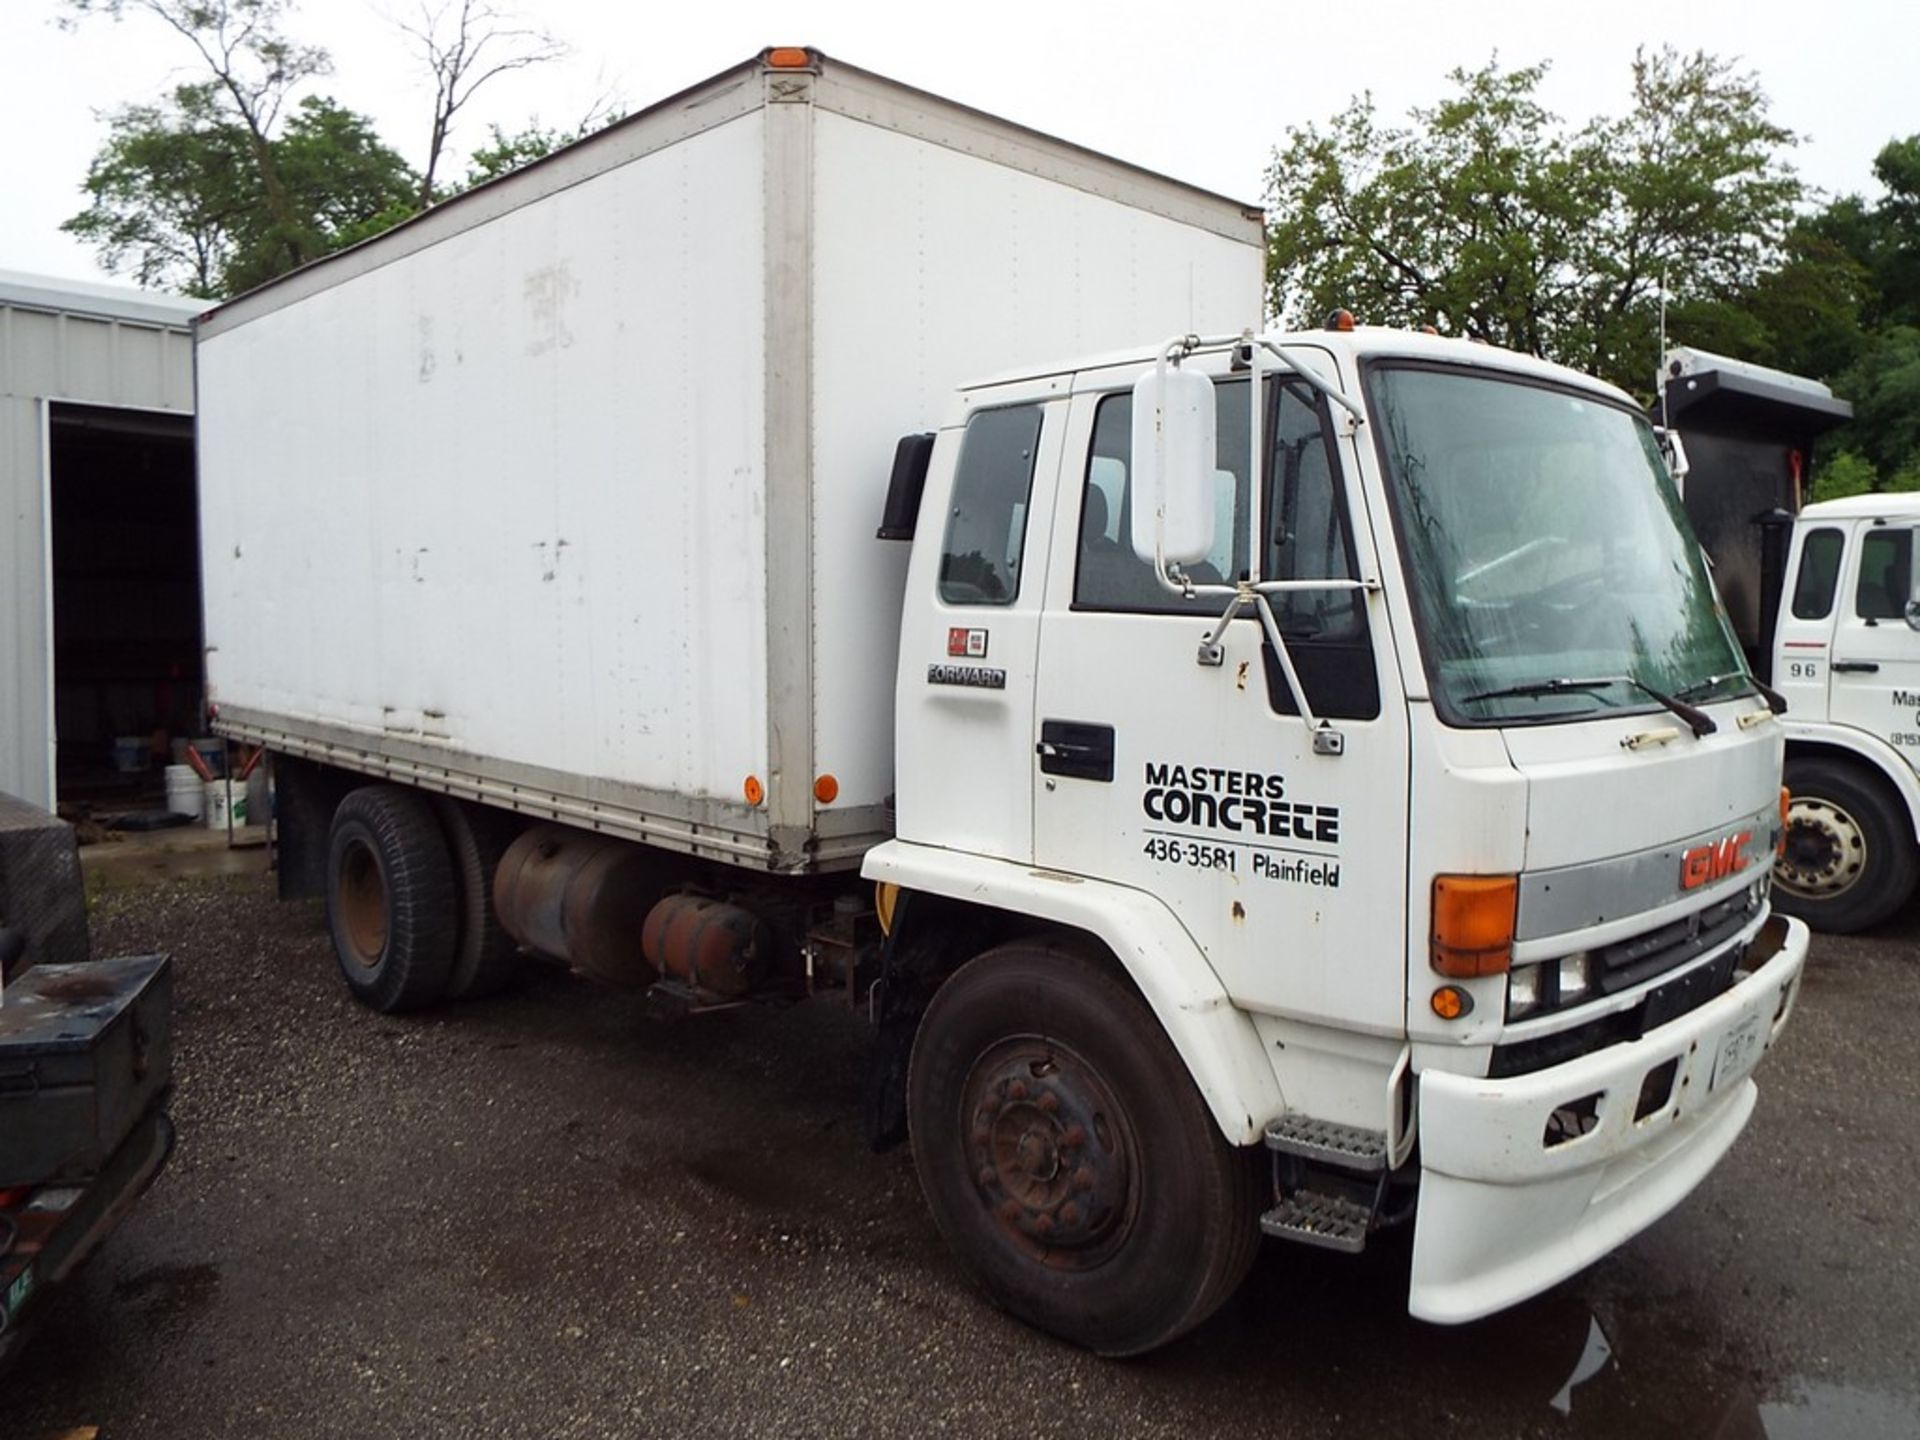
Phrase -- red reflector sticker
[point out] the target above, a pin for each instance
(967, 644)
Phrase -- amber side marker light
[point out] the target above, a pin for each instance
(826, 789)
(789, 57)
(1473, 924)
(1786, 804)
(754, 790)
(1450, 1002)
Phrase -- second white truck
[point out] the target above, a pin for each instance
(1292, 785)
(1825, 598)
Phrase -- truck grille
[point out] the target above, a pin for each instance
(1628, 963)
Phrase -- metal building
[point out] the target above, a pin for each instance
(99, 570)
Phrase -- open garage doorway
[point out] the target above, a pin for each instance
(127, 665)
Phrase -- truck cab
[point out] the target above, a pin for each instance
(1847, 657)
(1423, 799)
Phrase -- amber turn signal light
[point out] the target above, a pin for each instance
(1473, 924)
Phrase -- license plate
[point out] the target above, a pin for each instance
(1739, 1052)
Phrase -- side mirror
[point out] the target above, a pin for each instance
(1174, 451)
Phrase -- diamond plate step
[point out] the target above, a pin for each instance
(1347, 1146)
(1313, 1218)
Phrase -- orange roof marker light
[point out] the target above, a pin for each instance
(1341, 320)
(789, 57)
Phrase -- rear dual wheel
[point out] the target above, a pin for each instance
(1067, 1157)
(409, 901)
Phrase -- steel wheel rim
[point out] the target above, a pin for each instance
(1826, 850)
(1052, 1154)
(363, 904)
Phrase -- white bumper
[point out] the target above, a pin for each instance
(1502, 1215)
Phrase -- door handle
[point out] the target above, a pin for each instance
(1076, 749)
(1855, 667)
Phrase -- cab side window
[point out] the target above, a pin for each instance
(1819, 578)
(1886, 575)
(987, 524)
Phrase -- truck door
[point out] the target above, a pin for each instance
(972, 621)
(1200, 784)
(1875, 670)
(1806, 624)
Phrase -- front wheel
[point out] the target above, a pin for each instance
(1849, 858)
(1067, 1157)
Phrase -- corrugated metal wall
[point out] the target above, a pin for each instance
(89, 347)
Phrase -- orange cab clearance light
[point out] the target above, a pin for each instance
(1473, 919)
(789, 57)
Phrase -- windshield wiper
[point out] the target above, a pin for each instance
(1776, 702)
(1697, 719)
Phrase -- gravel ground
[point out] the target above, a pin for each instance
(543, 1215)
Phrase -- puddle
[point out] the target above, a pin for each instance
(170, 1289)
(1823, 1411)
(1597, 1356)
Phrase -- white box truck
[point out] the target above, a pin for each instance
(1295, 785)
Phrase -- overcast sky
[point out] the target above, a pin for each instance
(1202, 93)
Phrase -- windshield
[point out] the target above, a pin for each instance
(1553, 574)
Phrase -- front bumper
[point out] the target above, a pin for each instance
(1509, 1205)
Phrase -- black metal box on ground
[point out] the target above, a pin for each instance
(85, 1050)
(41, 894)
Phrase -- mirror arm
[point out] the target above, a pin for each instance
(1279, 642)
(1316, 381)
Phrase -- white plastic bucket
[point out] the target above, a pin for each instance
(222, 796)
(186, 794)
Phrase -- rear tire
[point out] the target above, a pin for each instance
(1067, 1157)
(390, 898)
(485, 956)
(1849, 861)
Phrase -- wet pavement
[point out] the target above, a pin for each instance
(543, 1215)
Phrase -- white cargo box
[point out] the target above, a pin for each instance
(563, 495)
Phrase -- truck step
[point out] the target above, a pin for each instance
(1312, 1217)
(1346, 1146)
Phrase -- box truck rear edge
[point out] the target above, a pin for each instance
(1276, 882)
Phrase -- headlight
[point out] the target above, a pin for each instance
(1523, 991)
(1575, 977)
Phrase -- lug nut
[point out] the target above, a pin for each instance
(1049, 1102)
(987, 1177)
(1083, 1178)
(1075, 1137)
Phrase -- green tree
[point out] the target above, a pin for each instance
(504, 153)
(179, 200)
(1489, 217)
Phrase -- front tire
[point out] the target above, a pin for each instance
(1849, 861)
(1067, 1157)
(390, 898)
